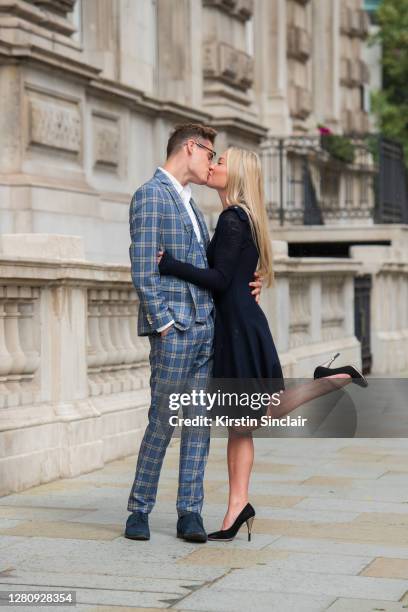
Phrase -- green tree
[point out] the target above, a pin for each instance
(391, 103)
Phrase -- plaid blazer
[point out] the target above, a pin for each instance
(159, 219)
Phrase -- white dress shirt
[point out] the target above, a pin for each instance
(185, 194)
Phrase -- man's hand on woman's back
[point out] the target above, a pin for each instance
(257, 286)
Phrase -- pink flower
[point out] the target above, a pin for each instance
(323, 129)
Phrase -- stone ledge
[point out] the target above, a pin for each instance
(43, 246)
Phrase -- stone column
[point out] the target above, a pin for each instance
(137, 50)
(228, 66)
(179, 41)
(101, 35)
(63, 313)
(271, 64)
(63, 367)
(10, 119)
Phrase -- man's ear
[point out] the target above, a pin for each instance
(190, 145)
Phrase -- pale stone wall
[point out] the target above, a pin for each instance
(90, 90)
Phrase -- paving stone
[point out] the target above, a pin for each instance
(345, 604)
(331, 546)
(277, 560)
(347, 505)
(263, 467)
(65, 530)
(8, 541)
(6, 524)
(116, 598)
(231, 557)
(32, 513)
(119, 609)
(276, 501)
(354, 531)
(336, 481)
(180, 587)
(383, 518)
(363, 453)
(350, 469)
(121, 557)
(331, 527)
(394, 478)
(215, 599)
(259, 542)
(300, 514)
(262, 579)
(58, 486)
(387, 568)
(105, 516)
(359, 491)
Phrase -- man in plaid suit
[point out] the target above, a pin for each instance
(178, 318)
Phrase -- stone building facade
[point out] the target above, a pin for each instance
(89, 92)
(91, 88)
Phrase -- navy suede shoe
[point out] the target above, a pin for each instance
(190, 527)
(137, 526)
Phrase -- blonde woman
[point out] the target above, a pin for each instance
(243, 344)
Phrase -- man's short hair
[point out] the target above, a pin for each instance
(184, 131)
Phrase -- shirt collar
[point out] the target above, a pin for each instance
(178, 186)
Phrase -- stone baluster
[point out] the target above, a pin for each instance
(6, 359)
(28, 342)
(126, 312)
(120, 367)
(14, 345)
(96, 354)
(140, 369)
(404, 317)
(300, 312)
(117, 357)
(107, 342)
(114, 308)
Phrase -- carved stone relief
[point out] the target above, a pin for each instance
(54, 122)
(240, 9)
(106, 140)
(225, 63)
(61, 7)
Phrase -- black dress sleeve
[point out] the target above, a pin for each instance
(230, 233)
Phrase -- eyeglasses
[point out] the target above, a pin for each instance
(213, 153)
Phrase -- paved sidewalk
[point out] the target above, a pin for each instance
(331, 533)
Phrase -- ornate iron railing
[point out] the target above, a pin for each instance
(314, 180)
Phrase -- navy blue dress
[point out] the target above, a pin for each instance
(243, 344)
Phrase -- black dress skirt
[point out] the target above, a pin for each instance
(243, 344)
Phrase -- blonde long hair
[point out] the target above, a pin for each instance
(245, 188)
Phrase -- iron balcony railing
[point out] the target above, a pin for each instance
(314, 180)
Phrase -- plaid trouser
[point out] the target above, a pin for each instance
(180, 361)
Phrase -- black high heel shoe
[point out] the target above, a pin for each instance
(246, 515)
(325, 370)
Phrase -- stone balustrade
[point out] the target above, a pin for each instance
(117, 357)
(388, 268)
(74, 373)
(19, 349)
(311, 310)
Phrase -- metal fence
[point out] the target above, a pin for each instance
(313, 180)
